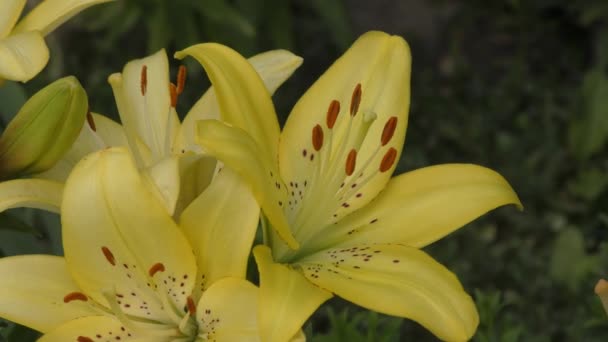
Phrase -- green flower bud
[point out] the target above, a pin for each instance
(44, 129)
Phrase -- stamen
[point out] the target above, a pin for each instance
(389, 130)
(317, 137)
(144, 80)
(388, 160)
(355, 100)
(332, 113)
(351, 162)
(181, 79)
(191, 305)
(173, 93)
(90, 120)
(109, 256)
(75, 296)
(158, 267)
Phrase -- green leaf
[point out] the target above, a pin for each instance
(334, 15)
(569, 262)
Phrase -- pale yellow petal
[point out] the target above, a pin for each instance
(118, 238)
(96, 328)
(399, 281)
(286, 299)
(228, 310)
(195, 172)
(32, 292)
(22, 56)
(164, 180)
(243, 99)
(239, 151)
(220, 225)
(107, 133)
(274, 67)
(422, 206)
(49, 14)
(31, 193)
(10, 10)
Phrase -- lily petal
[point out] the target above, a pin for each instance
(120, 240)
(240, 152)
(10, 11)
(243, 99)
(351, 132)
(220, 225)
(165, 182)
(31, 193)
(274, 67)
(51, 13)
(22, 56)
(95, 328)
(32, 292)
(107, 133)
(228, 311)
(422, 206)
(195, 172)
(397, 280)
(287, 299)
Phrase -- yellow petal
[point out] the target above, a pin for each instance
(32, 292)
(240, 152)
(107, 133)
(118, 238)
(220, 225)
(164, 181)
(380, 63)
(287, 299)
(10, 10)
(145, 109)
(195, 172)
(399, 281)
(229, 311)
(422, 206)
(31, 193)
(274, 67)
(89, 328)
(51, 13)
(22, 56)
(243, 99)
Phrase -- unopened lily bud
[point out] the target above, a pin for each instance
(601, 289)
(44, 129)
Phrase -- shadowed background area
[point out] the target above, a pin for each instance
(517, 86)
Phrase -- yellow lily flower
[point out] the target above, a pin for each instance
(131, 273)
(23, 52)
(336, 222)
(164, 148)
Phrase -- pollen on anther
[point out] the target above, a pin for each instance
(108, 254)
(173, 94)
(75, 296)
(191, 305)
(355, 100)
(158, 267)
(144, 79)
(332, 113)
(181, 79)
(388, 160)
(317, 137)
(351, 162)
(90, 121)
(389, 130)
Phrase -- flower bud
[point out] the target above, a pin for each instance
(44, 129)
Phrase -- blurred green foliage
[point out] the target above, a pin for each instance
(518, 86)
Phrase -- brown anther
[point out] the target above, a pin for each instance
(181, 79)
(75, 296)
(389, 130)
(332, 113)
(351, 162)
(191, 306)
(90, 121)
(84, 339)
(108, 254)
(388, 160)
(173, 93)
(355, 100)
(317, 137)
(144, 80)
(158, 267)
